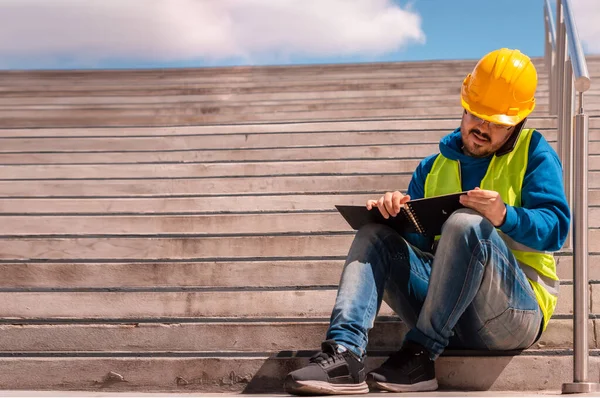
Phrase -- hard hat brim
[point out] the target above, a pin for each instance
(488, 115)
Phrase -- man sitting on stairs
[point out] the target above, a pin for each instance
(489, 281)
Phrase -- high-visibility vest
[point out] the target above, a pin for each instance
(505, 175)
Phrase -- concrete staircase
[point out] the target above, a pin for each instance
(174, 230)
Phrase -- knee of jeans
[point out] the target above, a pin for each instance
(466, 222)
(374, 232)
(383, 242)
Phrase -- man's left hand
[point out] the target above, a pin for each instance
(488, 203)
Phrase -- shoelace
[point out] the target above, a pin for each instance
(324, 357)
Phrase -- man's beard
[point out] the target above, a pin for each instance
(479, 134)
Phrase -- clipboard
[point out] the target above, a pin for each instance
(423, 216)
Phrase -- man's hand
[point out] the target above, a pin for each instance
(488, 203)
(389, 204)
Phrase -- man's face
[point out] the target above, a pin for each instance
(480, 138)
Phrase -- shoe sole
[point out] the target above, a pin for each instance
(322, 387)
(423, 386)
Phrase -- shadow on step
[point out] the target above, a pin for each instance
(455, 370)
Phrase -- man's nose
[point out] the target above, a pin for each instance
(486, 124)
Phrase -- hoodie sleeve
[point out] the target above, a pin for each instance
(542, 221)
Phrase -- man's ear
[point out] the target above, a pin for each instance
(509, 145)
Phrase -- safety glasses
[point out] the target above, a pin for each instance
(493, 126)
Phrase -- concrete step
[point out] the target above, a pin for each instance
(235, 141)
(110, 248)
(240, 75)
(311, 152)
(269, 70)
(198, 77)
(231, 169)
(187, 92)
(232, 96)
(95, 120)
(205, 160)
(217, 186)
(413, 98)
(222, 109)
(205, 143)
(399, 125)
(230, 74)
(405, 130)
(364, 125)
(211, 186)
(136, 83)
(365, 102)
(309, 96)
(224, 169)
(212, 303)
(438, 393)
(191, 107)
(200, 273)
(258, 156)
(212, 224)
(291, 101)
(185, 115)
(94, 80)
(186, 224)
(250, 90)
(247, 335)
(168, 302)
(203, 205)
(264, 372)
(192, 205)
(283, 97)
(408, 127)
(294, 88)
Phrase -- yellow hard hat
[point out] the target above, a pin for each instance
(501, 88)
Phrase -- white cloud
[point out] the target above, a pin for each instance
(90, 31)
(587, 19)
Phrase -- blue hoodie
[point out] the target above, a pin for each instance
(542, 222)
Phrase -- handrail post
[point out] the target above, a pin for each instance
(581, 383)
(577, 74)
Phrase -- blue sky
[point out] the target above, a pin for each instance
(66, 34)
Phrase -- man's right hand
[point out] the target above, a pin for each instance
(389, 204)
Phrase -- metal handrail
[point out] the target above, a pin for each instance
(580, 70)
(568, 69)
(551, 28)
(550, 50)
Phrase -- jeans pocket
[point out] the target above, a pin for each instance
(513, 329)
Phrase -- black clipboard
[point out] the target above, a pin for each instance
(423, 216)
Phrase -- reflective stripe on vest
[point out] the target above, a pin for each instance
(505, 175)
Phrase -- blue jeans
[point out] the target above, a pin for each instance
(471, 293)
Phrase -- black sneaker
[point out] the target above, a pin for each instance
(329, 372)
(408, 370)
